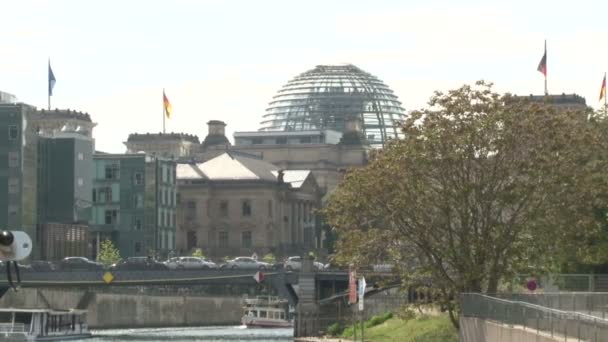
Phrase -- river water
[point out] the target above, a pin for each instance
(220, 333)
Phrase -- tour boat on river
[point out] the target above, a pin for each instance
(42, 324)
(266, 312)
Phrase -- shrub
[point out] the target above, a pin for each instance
(198, 253)
(379, 319)
(269, 258)
(335, 329)
(406, 313)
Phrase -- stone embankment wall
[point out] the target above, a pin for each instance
(106, 310)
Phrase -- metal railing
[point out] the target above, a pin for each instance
(12, 328)
(540, 319)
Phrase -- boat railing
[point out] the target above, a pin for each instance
(265, 300)
(12, 328)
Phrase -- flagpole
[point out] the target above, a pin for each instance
(164, 111)
(546, 91)
(605, 103)
(48, 85)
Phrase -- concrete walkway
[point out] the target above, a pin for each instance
(321, 339)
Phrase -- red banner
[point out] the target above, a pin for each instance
(352, 286)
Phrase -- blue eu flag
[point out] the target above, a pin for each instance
(51, 80)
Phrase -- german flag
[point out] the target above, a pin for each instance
(603, 90)
(167, 105)
(542, 66)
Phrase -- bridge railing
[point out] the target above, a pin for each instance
(537, 318)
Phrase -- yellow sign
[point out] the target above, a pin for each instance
(108, 277)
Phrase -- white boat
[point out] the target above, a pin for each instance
(265, 312)
(42, 324)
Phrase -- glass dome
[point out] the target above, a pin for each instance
(329, 95)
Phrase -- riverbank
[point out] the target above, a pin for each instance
(425, 328)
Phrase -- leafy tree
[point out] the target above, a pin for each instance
(198, 253)
(269, 258)
(483, 186)
(108, 253)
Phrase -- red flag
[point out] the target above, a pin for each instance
(259, 277)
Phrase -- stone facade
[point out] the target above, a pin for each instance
(50, 122)
(242, 216)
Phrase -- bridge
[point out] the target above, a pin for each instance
(317, 291)
(327, 283)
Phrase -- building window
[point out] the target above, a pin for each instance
(105, 195)
(138, 201)
(13, 159)
(137, 224)
(111, 216)
(94, 195)
(246, 238)
(165, 198)
(173, 218)
(13, 185)
(269, 208)
(191, 243)
(281, 141)
(112, 171)
(80, 181)
(138, 178)
(138, 247)
(257, 141)
(224, 208)
(305, 140)
(223, 239)
(190, 210)
(13, 132)
(178, 198)
(80, 156)
(162, 218)
(12, 210)
(246, 208)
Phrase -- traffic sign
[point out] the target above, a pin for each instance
(361, 291)
(259, 277)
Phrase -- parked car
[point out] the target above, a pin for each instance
(196, 263)
(78, 263)
(43, 266)
(247, 263)
(172, 263)
(139, 263)
(294, 263)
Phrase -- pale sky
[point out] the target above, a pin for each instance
(224, 60)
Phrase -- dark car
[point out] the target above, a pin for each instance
(139, 263)
(78, 264)
(42, 266)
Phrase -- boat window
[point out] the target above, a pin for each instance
(282, 315)
(263, 314)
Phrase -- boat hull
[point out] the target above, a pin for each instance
(13, 337)
(265, 323)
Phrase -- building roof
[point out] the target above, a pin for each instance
(64, 114)
(162, 136)
(327, 96)
(232, 166)
(295, 178)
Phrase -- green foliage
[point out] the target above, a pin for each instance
(378, 319)
(421, 329)
(269, 258)
(482, 187)
(335, 329)
(313, 255)
(198, 253)
(108, 253)
(406, 313)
